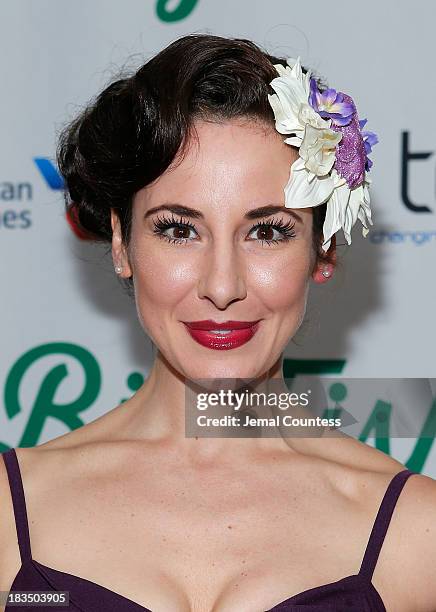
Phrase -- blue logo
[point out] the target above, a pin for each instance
(417, 237)
(49, 172)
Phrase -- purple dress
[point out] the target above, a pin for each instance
(354, 593)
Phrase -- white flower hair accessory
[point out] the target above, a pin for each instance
(333, 150)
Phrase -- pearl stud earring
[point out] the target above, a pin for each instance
(118, 269)
(326, 272)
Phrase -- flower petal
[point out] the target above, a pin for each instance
(318, 149)
(332, 221)
(294, 141)
(370, 137)
(300, 193)
(329, 96)
(344, 207)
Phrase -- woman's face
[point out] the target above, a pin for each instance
(223, 259)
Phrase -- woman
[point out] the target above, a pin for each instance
(181, 168)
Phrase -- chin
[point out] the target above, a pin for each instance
(242, 367)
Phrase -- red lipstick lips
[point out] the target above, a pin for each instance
(222, 336)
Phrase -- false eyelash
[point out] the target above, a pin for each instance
(287, 229)
(161, 224)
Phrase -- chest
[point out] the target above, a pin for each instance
(184, 548)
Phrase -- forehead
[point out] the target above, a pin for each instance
(239, 161)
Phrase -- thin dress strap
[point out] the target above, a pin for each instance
(19, 503)
(381, 522)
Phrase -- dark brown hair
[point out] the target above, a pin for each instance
(129, 135)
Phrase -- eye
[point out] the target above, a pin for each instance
(173, 230)
(178, 231)
(274, 231)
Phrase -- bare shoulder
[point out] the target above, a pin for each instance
(42, 467)
(344, 450)
(414, 530)
(409, 548)
(10, 559)
(363, 474)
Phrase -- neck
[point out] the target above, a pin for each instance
(158, 411)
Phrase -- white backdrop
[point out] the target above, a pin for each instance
(71, 344)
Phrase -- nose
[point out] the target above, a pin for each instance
(222, 276)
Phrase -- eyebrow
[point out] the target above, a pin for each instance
(255, 213)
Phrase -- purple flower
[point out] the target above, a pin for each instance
(331, 104)
(369, 140)
(351, 159)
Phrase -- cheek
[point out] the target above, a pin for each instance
(161, 279)
(281, 281)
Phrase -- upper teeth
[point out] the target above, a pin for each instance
(221, 331)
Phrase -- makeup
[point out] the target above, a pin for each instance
(222, 336)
